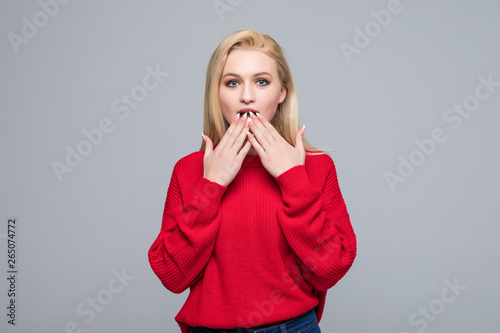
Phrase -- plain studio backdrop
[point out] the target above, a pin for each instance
(99, 99)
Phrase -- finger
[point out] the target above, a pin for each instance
(261, 133)
(241, 138)
(258, 148)
(298, 139)
(269, 127)
(236, 131)
(243, 152)
(231, 128)
(208, 144)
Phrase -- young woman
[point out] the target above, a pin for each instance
(254, 223)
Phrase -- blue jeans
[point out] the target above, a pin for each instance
(305, 323)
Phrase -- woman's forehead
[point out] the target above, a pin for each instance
(249, 62)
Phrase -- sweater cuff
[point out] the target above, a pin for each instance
(210, 192)
(293, 180)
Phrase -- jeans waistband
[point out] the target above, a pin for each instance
(297, 322)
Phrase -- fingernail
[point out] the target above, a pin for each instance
(202, 135)
(237, 115)
(258, 114)
(249, 119)
(248, 132)
(303, 127)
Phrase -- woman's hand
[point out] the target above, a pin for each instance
(222, 164)
(276, 154)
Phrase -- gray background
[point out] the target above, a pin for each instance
(440, 224)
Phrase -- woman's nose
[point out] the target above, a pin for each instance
(247, 94)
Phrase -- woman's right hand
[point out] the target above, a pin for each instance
(222, 164)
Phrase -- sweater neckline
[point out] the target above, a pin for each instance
(252, 161)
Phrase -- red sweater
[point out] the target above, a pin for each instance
(258, 251)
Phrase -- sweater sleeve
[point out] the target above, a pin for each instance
(316, 225)
(188, 233)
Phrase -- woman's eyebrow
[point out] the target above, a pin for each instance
(256, 74)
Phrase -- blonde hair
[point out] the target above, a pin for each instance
(285, 119)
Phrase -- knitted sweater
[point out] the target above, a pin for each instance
(258, 251)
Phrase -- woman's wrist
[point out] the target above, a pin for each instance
(215, 180)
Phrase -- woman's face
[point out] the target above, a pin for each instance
(250, 81)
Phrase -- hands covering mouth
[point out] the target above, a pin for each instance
(222, 163)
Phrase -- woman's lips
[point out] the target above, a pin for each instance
(248, 109)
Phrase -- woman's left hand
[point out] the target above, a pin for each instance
(276, 154)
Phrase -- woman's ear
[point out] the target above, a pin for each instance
(283, 94)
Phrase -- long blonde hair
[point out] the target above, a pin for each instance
(285, 119)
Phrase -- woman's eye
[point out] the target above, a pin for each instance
(231, 83)
(262, 82)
